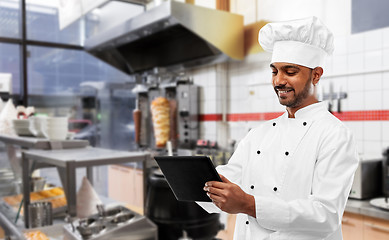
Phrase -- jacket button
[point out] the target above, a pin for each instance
(247, 222)
(258, 152)
(304, 123)
(252, 187)
(274, 124)
(275, 189)
(286, 153)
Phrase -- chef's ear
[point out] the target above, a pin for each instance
(317, 72)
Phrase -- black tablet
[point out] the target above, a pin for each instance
(187, 175)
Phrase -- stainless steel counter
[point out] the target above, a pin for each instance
(67, 161)
(363, 207)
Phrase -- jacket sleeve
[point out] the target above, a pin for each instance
(320, 214)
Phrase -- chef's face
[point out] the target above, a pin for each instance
(293, 84)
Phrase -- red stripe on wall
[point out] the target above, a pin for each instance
(376, 115)
(210, 117)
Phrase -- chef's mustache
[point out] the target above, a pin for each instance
(282, 88)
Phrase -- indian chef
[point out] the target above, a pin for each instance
(290, 177)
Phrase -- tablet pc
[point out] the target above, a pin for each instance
(187, 175)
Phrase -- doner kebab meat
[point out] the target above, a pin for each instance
(160, 115)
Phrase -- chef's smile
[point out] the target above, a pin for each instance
(284, 93)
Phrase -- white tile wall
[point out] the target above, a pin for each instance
(372, 148)
(339, 64)
(385, 80)
(373, 81)
(355, 63)
(355, 83)
(355, 43)
(372, 131)
(373, 100)
(385, 99)
(356, 101)
(373, 60)
(385, 58)
(385, 131)
(373, 40)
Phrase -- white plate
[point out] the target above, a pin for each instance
(380, 203)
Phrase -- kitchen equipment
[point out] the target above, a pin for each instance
(367, 180)
(385, 166)
(137, 115)
(37, 184)
(173, 217)
(183, 99)
(173, 35)
(40, 214)
(383, 202)
(114, 223)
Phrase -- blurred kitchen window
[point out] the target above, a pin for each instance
(10, 18)
(55, 71)
(10, 63)
(43, 24)
(369, 15)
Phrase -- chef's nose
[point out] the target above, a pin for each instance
(279, 80)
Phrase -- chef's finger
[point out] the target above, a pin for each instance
(215, 198)
(215, 191)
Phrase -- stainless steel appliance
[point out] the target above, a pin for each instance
(115, 223)
(184, 114)
(172, 35)
(385, 166)
(367, 180)
(383, 202)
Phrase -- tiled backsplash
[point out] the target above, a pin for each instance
(359, 67)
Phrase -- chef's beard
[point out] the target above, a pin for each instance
(298, 99)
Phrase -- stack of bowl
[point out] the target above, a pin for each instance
(55, 128)
(36, 125)
(22, 127)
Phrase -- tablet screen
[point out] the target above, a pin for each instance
(187, 175)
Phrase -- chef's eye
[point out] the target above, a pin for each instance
(291, 73)
(274, 72)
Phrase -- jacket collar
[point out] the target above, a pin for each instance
(309, 112)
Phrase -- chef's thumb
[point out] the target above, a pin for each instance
(224, 179)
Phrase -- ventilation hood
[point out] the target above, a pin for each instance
(173, 36)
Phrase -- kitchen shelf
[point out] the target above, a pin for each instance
(67, 160)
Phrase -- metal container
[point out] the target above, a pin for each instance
(40, 214)
(37, 184)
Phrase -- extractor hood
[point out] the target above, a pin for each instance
(173, 36)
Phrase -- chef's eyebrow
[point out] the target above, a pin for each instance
(286, 67)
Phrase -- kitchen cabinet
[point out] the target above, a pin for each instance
(126, 184)
(375, 229)
(352, 226)
(360, 227)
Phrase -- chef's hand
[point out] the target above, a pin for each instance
(229, 197)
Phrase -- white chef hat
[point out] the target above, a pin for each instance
(305, 42)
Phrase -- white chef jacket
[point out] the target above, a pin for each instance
(299, 170)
